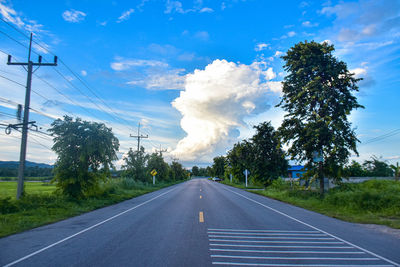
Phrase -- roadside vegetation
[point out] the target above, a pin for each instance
(82, 178)
(318, 95)
(42, 204)
(373, 201)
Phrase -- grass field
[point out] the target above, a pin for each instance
(42, 205)
(372, 202)
(9, 189)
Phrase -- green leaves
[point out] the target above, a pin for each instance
(318, 97)
(85, 153)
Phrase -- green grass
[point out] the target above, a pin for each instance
(372, 202)
(242, 186)
(9, 189)
(42, 205)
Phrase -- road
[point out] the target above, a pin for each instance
(201, 223)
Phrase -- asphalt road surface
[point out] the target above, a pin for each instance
(201, 223)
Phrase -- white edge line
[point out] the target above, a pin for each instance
(83, 231)
(279, 242)
(315, 228)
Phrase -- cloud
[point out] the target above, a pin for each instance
(124, 64)
(202, 35)
(83, 72)
(10, 15)
(73, 16)
(291, 34)
(125, 15)
(309, 24)
(175, 6)
(367, 80)
(214, 104)
(168, 80)
(206, 10)
(261, 47)
(364, 19)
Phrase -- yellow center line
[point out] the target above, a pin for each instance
(201, 197)
(201, 217)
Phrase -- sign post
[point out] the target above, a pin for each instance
(246, 173)
(154, 173)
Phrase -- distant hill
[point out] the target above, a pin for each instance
(28, 164)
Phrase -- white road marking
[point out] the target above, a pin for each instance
(287, 251)
(280, 242)
(273, 237)
(266, 234)
(315, 228)
(261, 231)
(290, 265)
(275, 246)
(84, 230)
(293, 258)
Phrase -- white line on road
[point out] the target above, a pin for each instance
(290, 265)
(265, 234)
(293, 258)
(315, 228)
(272, 237)
(280, 242)
(275, 246)
(287, 251)
(84, 230)
(261, 231)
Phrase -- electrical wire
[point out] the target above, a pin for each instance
(382, 137)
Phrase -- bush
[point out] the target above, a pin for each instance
(6, 206)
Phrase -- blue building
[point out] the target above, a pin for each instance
(296, 171)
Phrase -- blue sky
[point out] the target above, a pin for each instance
(197, 74)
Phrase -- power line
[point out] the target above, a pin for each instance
(4, 77)
(382, 137)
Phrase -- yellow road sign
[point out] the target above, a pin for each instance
(153, 172)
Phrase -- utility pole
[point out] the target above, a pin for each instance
(161, 150)
(26, 122)
(139, 136)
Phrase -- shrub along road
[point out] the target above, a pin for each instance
(200, 223)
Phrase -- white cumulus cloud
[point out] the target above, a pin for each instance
(73, 16)
(261, 47)
(124, 64)
(215, 103)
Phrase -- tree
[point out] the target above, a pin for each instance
(218, 168)
(135, 165)
(195, 171)
(239, 157)
(377, 168)
(354, 169)
(177, 172)
(156, 162)
(268, 157)
(85, 151)
(317, 96)
(396, 170)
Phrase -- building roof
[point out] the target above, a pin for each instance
(296, 168)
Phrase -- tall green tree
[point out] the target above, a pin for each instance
(396, 170)
(240, 158)
(318, 98)
(354, 169)
(269, 160)
(135, 165)
(218, 167)
(85, 151)
(195, 171)
(177, 172)
(156, 162)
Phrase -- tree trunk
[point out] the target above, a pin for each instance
(321, 179)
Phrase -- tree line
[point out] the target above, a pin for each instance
(85, 154)
(318, 95)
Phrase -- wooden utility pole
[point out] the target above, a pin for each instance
(139, 136)
(26, 122)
